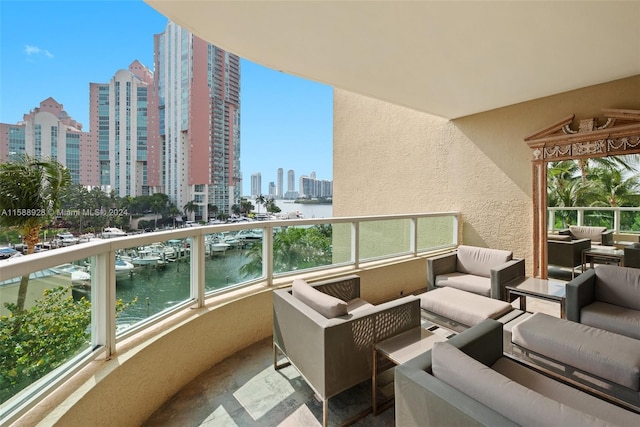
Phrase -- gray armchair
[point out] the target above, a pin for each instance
(565, 252)
(475, 269)
(607, 297)
(599, 236)
(335, 354)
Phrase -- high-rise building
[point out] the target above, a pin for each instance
(272, 189)
(123, 115)
(311, 187)
(256, 184)
(291, 181)
(199, 121)
(49, 132)
(280, 188)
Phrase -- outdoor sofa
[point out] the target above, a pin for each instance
(599, 236)
(326, 331)
(468, 381)
(606, 297)
(482, 271)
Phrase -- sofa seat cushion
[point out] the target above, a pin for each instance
(610, 356)
(479, 261)
(618, 285)
(613, 318)
(324, 304)
(559, 237)
(587, 232)
(564, 394)
(463, 307)
(518, 403)
(465, 282)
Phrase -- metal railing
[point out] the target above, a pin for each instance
(191, 268)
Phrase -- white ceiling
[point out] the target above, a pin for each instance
(450, 58)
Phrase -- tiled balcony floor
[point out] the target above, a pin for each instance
(245, 390)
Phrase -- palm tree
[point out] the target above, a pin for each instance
(261, 200)
(190, 207)
(30, 193)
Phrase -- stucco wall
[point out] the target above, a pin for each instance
(389, 159)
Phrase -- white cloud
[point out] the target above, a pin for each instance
(34, 50)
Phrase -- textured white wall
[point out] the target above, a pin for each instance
(389, 159)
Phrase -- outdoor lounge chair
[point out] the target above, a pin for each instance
(326, 332)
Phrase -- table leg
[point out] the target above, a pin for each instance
(374, 381)
(563, 314)
(523, 303)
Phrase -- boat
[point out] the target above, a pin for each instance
(249, 235)
(79, 275)
(215, 244)
(123, 268)
(110, 232)
(165, 252)
(146, 257)
(7, 252)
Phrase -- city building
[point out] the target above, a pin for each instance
(272, 189)
(123, 115)
(256, 184)
(48, 131)
(291, 185)
(199, 121)
(280, 187)
(311, 187)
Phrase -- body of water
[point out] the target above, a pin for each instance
(306, 209)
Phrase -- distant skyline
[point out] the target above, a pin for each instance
(286, 121)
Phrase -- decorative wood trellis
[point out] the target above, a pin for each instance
(618, 134)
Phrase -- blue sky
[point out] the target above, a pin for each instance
(55, 48)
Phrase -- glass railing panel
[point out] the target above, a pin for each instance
(599, 218)
(384, 238)
(302, 247)
(435, 232)
(629, 221)
(151, 279)
(341, 243)
(53, 326)
(564, 218)
(231, 259)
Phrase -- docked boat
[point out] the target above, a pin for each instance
(146, 257)
(110, 232)
(123, 268)
(79, 275)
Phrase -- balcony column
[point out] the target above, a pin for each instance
(103, 297)
(197, 269)
(539, 219)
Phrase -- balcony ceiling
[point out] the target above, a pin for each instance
(450, 59)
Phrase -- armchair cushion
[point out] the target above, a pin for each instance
(611, 317)
(619, 286)
(479, 261)
(324, 304)
(515, 401)
(597, 235)
(465, 282)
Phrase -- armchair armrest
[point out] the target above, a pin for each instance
(503, 274)
(441, 264)
(580, 292)
(607, 238)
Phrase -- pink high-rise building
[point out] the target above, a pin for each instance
(48, 131)
(124, 125)
(199, 121)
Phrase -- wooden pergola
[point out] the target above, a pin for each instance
(618, 134)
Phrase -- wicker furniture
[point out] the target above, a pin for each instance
(335, 354)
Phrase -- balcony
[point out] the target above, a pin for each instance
(135, 360)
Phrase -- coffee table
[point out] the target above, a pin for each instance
(533, 287)
(402, 348)
(603, 255)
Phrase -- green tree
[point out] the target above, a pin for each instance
(190, 207)
(51, 331)
(260, 200)
(30, 195)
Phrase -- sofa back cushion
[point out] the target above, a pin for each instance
(618, 286)
(587, 232)
(479, 261)
(324, 304)
(510, 399)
